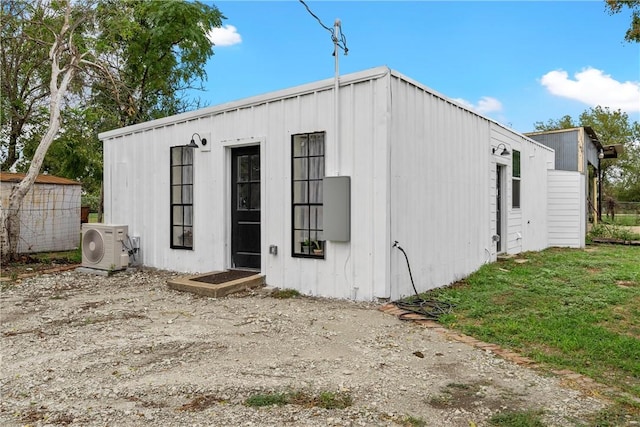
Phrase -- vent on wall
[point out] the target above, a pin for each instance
(102, 246)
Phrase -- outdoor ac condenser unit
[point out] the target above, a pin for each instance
(103, 248)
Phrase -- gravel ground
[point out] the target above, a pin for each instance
(125, 350)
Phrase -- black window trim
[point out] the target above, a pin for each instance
(173, 245)
(516, 177)
(295, 254)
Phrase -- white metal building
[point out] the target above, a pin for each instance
(49, 215)
(454, 188)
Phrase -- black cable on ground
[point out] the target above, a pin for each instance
(429, 309)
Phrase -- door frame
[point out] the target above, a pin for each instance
(501, 207)
(228, 146)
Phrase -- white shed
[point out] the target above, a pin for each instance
(49, 215)
(454, 188)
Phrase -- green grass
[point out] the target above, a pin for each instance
(517, 419)
(612, 231)
(326, 399)
(623, 219)
(563, 308)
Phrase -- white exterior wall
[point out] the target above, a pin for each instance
(137, 183)
(526, 226)
(566, 209)
(443, 189)
(49, 217)
(421, 169)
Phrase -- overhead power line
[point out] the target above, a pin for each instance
(339, 39)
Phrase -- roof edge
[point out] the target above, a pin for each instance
(368, 74)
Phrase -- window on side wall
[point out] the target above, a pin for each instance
(182, 197)
(307, 171)
(515, 184)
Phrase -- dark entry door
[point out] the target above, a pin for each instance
(499, 208)
(245, 207)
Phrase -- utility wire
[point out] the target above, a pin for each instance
(340, 40)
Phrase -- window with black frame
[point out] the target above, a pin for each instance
(182, 197)
(515, 183)
(307, 170)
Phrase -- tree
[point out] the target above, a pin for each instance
(24, 77)
(65, 57)
(616, 6)
(162, 47)
(109, 64)
(619, 175)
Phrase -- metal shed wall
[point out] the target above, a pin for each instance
(565, 144)
(49, 217)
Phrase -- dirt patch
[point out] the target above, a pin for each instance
(126, 350)
(225, 276)
(29, 266)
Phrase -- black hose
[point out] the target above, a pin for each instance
(396, 245)
(430, 309)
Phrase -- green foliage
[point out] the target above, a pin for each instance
(326, 399)
(268, 399)
(621, 176)
(330, 400)
(411, 421)
(163, 47)
(517, 419)
(612, 231)
(143, 56)
(616, 6)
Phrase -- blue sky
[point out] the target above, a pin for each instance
(517, 62)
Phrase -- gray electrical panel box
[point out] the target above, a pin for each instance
(337, 208)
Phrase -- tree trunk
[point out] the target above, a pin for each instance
(10, 216)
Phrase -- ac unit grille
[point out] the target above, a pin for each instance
(93, 246)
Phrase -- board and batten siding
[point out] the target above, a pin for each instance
(439, 209)
(137, 183)
(422, 173)
(526, 226)
(566, 209)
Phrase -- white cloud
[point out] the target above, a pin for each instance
(485, 105)
(592, 87)
(226, 35)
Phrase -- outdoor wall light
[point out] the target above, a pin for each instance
(504, 151)
(601, 154)
(192, 144)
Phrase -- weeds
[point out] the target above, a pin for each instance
(326, 400)
(517, 419)
(285, 293)
(612, 231)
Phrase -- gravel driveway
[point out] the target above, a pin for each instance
(125, 350)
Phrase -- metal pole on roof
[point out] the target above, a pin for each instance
(336, 96)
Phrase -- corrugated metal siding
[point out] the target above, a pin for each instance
(565, 144)
(566, 207)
